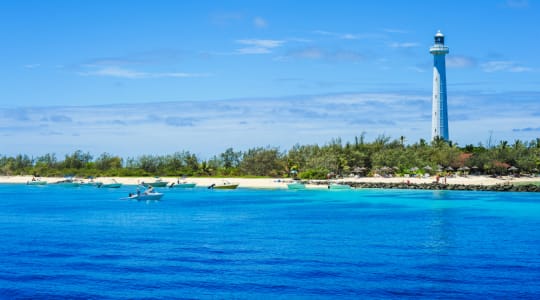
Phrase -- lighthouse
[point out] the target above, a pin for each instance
(439, 117)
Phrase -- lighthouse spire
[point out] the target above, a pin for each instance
(439, 117)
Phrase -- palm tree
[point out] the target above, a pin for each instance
(402, 140)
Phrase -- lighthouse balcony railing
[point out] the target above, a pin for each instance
(438, 49)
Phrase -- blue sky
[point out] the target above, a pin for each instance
(143, 77)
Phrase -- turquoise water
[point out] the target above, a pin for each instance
(86, 243)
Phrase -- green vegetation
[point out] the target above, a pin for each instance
(381, 156)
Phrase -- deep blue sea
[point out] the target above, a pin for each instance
(87, 243)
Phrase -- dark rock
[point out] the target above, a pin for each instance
(440, 186)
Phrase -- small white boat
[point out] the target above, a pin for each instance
(146, 196)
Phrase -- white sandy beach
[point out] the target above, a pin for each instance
(274, 183)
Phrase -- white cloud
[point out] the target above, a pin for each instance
(132, 74)
(258, 46)
(32, 66)
(344, 36)
(417, 69)
(116, 72)
(244, 123)
(317, 53)
(504, 66)
(260, 22)
(348, 36)
(517, 3)
(393, 30)
(226, 18)
(253, 50)
(262, 43)
(404, 45)
(458, 61)
(310, 53)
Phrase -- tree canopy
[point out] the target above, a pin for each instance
(336, 157)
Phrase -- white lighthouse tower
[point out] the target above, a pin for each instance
(439, 117)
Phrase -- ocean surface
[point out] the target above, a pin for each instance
(87, 243)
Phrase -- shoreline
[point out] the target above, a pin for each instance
(278, 183)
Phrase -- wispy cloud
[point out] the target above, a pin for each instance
(344, 36)
(32, 66)
(260, 22)
(17, 114)
(460, 61)
(133, 74)
(258, 46)
(309, 53)
(180, 122)
(243, 123)
(418, 69)
(348, 36)
(504, 66)
(317, 53)
(404, 45)
(226, 18)
(60, 119)
(526, 129)
(394, 30)
(152, 57)
(138, 65)
(517, 3)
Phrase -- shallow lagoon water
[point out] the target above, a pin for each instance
(250, 244)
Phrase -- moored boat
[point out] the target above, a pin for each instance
(185, 185)
(338, 186)
(112, 185)
(296, 186)
(157, 183)
(92, 183)
(68, 183)
(224, 186)
(36, 182)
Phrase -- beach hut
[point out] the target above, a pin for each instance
(386, 171)
(464, 170)
(359, 171)
(513, 170)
